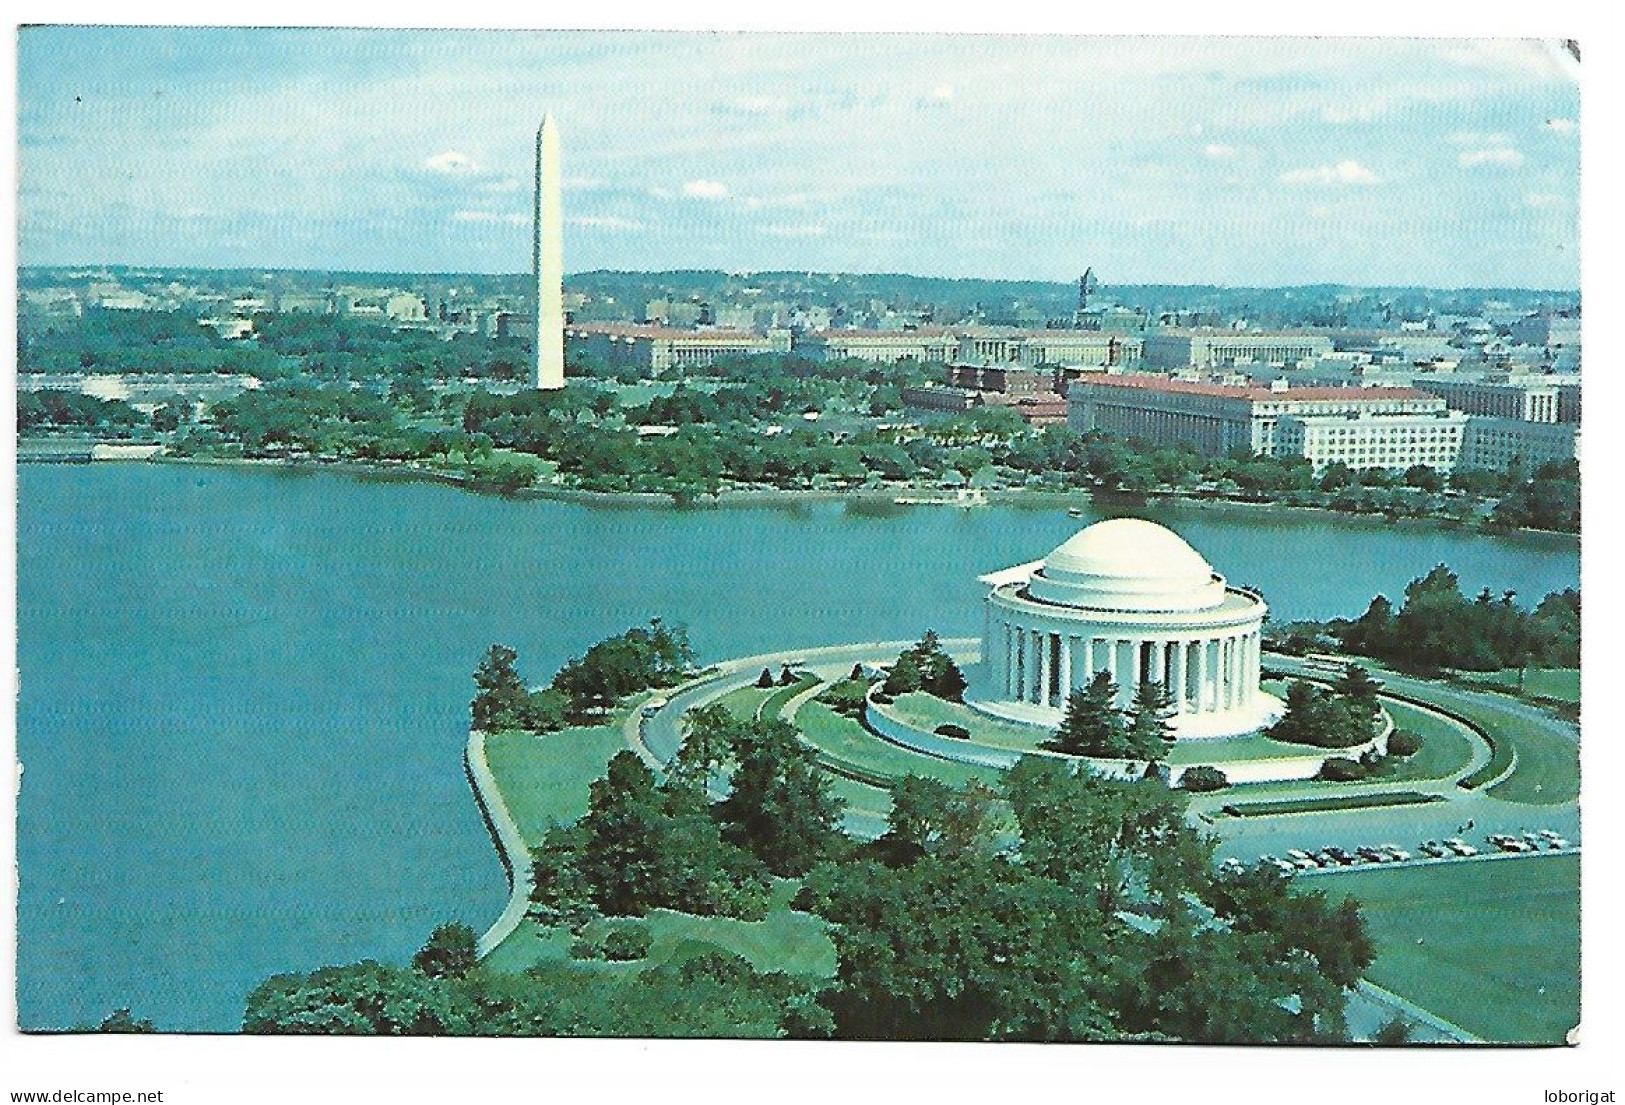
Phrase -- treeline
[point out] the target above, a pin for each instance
(107, 341)
(586, 687)
(41, 411)
(330, 347)
(1438, 627)
(1107, 922)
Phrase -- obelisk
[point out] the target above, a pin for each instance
(547, 260)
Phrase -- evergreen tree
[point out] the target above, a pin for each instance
(1092, 725)
(765, 680)
(1358, 687)
(1149, 732)
(904, 676)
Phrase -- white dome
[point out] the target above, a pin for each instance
(1127, 564)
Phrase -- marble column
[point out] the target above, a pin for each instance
(1066, 667)
(1177, 677)
(1199, 699)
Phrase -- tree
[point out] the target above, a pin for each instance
(123, 1021)
(645, 847)
(780, 806)
(1393, 1032)
(1149, 732)
(501, 694)
(904, 676)
(1092, 724)
(1357, 686)
(367, 999)
(928, 817)
(449, 953)
(765, 680)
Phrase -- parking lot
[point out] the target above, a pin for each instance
(1326, 859)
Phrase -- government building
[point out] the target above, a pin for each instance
(1132, 599)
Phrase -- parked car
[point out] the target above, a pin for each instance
(1395, 852)
(1285, 867)
(1301, 859)
(1460, 846)
(1435, 849)
(1371, 855)
(1555, 842)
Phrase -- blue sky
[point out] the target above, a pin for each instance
(1235, 161)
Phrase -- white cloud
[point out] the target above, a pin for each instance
(1504, 156)
(604, 222)
(1563, 126)
(810, 230)
(1344, 172)
(1219, 151)
(942, 93)
(1542, 199)
(451, 163)
(706, 190)
(503, 186)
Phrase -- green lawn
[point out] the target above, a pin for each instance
(544, 780)
(1548, 763)
(784, 940)
(1252, 746)
(1445, 751)
(743, 702)
(775, 702)
(1548, 771)
(847, 744)
(927, 711)
(1562, 684)
(1492, 946)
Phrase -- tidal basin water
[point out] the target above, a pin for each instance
(244, 693)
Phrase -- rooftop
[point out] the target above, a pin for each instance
(1234, 391)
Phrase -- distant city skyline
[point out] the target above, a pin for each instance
(1448, 163)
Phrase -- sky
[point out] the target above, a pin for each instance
(1258, 161)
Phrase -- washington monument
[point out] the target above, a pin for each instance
(547, 261)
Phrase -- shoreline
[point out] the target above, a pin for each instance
(770, 497)
(509, 843)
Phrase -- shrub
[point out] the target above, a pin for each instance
(884, 699)
(846, 697)
(1203, 778)
(1341, 769)
(957, 732)
(620, 944)
(1403, 742)
(627, 943)
(765, 680)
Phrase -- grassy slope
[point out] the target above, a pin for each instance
(1562, 684)
(784, 940)
(544, 780)
(1446, 750)
(847, 742)
(927, 711)
(1493, 946)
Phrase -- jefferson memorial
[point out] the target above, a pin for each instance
(1133, 599)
